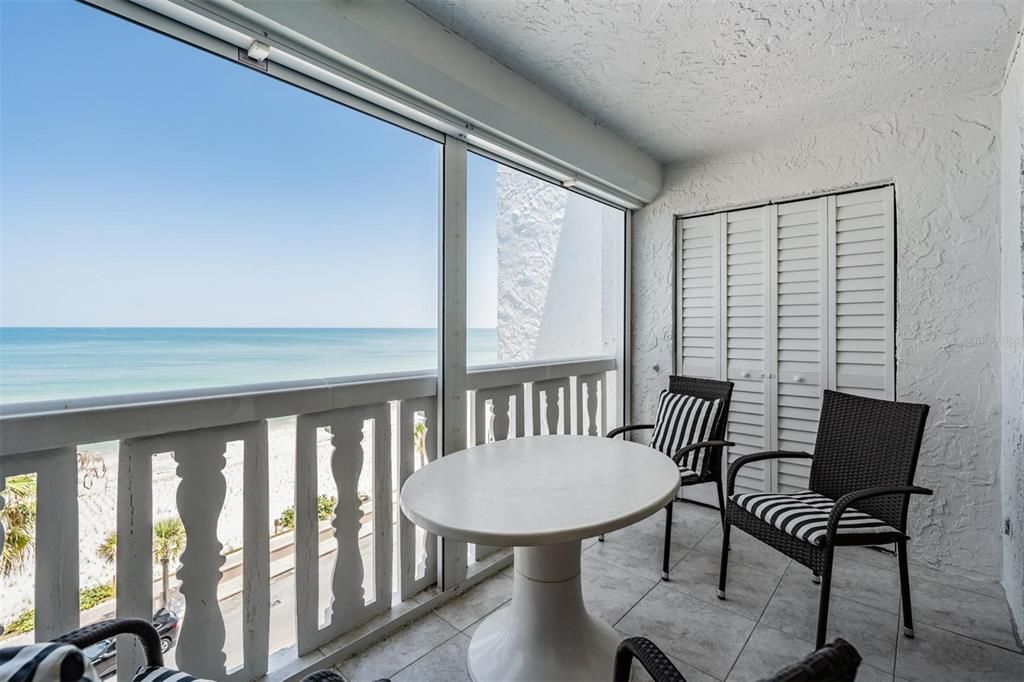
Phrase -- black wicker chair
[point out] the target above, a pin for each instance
(97, 632)
(147, 634)
(711, 463)
(865, 456)
(836, 662)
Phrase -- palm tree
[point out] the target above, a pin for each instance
(107, 552)
(168, 543)
(18, 517)
(419, 439)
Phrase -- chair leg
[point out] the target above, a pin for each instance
(721, 506)
(724, 566)
(668, 541)
(600, 538)
(908, 614)
(815, 578)
(826, 588)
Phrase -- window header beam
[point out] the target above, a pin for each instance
(432, 88)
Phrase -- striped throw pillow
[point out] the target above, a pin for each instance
(46, 662)
(684, 420)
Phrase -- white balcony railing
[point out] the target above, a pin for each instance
(366, 420)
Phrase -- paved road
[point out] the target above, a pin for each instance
(282, 607)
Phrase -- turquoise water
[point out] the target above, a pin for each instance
(74, 362)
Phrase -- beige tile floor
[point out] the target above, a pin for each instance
(963, 626)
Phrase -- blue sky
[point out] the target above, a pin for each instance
(147, 183)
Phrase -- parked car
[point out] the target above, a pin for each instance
(104, 654)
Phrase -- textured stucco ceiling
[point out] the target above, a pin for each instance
(687, 79)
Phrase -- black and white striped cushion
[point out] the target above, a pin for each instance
(46, 662)
(684, 420)
(687, 474)
(804, 514)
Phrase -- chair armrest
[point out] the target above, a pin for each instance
(836, 661)
(97, 632)
(629, 427)
(697, 446)
(743, 461)
(848, 499)
(656, 663)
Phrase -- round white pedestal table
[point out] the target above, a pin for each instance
(541, 495)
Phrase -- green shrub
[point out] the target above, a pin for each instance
(22, 623)
(324, 509)
(287, 518)
(325, 505)
(91, 596)
(87, 598)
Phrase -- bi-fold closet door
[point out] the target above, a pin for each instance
(786, 300)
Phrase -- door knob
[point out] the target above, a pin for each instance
(745, 374)
(798, 379)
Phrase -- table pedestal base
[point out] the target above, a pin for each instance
(546, 632)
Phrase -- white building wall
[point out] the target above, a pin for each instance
(944, 160)
(559, 271)
(1011, 338)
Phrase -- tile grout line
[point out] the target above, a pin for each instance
(633, 572)
(917, 577)
(756, 624)
(432, 650)
(619, 620)
(973, 639)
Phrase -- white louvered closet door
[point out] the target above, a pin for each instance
(801, 304)
(747, 343)
(787, 300)
(699, 244)
(861, 272)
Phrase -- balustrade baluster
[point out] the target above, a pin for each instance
(501, 424)
(383, 523)
(588, 389)
(556, 394)
(347, 591)
(407, 464)
(200, 465)
(56, 568)
(256, 548)
(348, 607)
(134, 547)
(307, 557)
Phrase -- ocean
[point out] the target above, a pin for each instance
(56, 363)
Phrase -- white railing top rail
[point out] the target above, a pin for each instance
(27, 427)
(42, 425)
(492, 376)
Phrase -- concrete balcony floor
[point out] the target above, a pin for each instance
(963, 626)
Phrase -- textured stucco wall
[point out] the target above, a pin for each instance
(944, 160)
(557, 289)
(685, 80)
(1012, 335)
